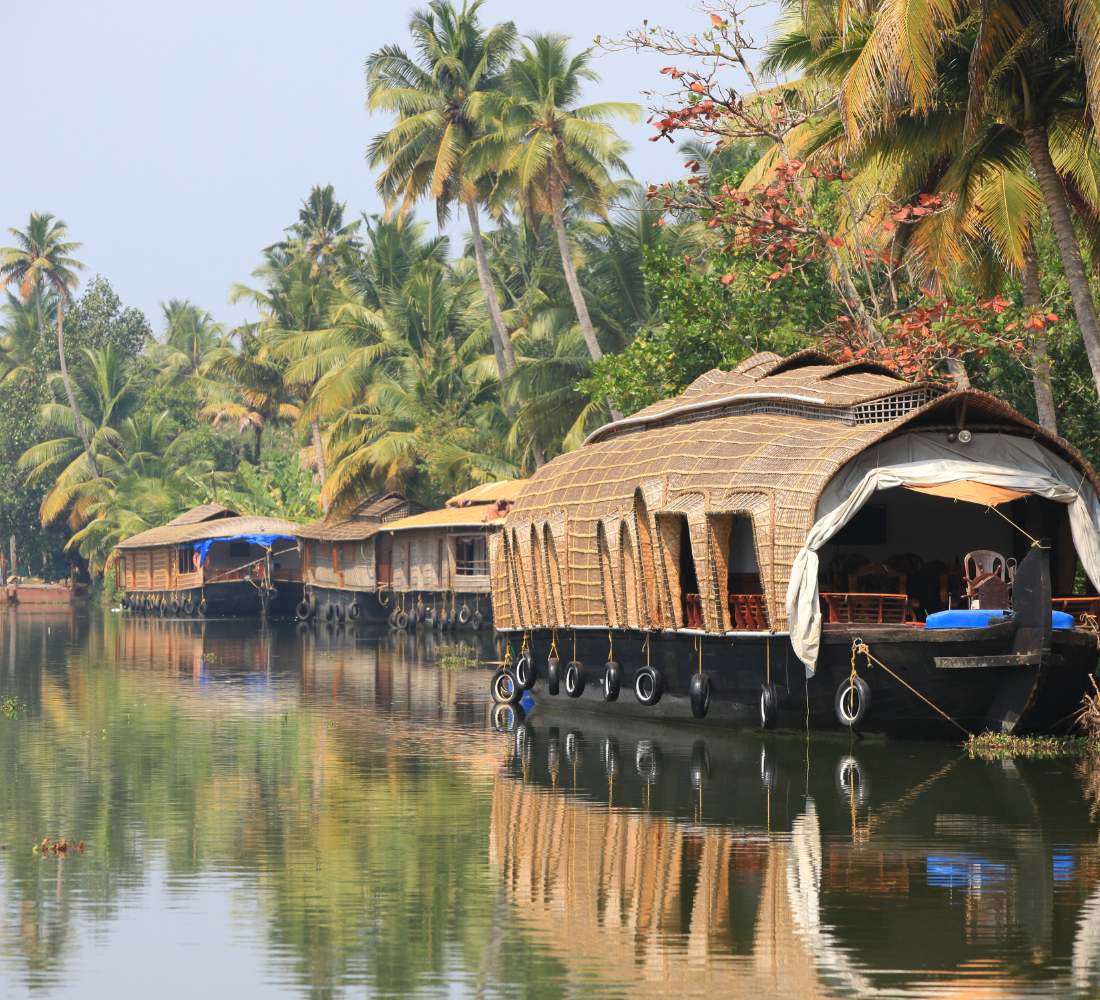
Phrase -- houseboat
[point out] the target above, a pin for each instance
(800, 543)
(392, 561)
(210, 561)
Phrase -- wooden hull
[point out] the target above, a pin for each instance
(371, 610)
(949, 668)
(35, 595)
(231, 599)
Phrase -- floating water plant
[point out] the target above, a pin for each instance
(11, 707)
(1002, 746)
(456, 656)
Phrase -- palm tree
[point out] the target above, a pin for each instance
(23, 329)
(191, 335)
(433, 96)
(321, 233)
(43, 256)
(548, 151)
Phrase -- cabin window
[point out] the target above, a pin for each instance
(185, 559)
(683, 583)
(239, 550)
(471, 556)
(746, 606)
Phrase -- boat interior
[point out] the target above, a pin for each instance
(906, 555)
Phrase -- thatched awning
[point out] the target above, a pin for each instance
(224, 527)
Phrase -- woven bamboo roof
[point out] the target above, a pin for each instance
(797, 422)
(177, 534)
(507, 491)
(476, 516)
(362, 521)
(203, 512)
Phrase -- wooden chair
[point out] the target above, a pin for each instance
(748, 612)
(877, 578)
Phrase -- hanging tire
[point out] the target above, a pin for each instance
(301, 611)
(162, 606)
(464, 615)
(553, 675)
(392, 619)
(699, 690)
(574, 679)
(476, 620)
(769, 705)
(174, 606)
(384, 597)
(507, 717)
(612, 681)
(649, 685)
(401, 621)
(428, 618)
(188, 605)
(852, 701)
(337, 612)
(202, 608)
(504, 688)
(354, 611)
(525, 672)
(330, 612)
(124, 603)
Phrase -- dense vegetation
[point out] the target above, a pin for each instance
(923, 188)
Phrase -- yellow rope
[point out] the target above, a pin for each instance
(553, 645)
(699, 647)
(610, 647)
(574, 645)
(1035, 543)
(859, 646)
(647, 649)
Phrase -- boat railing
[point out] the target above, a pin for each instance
(865, 609)
(747, 612)
(472, 567)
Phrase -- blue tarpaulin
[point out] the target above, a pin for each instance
(266, 541)
(965, 618)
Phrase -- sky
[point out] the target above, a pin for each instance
(177, 140)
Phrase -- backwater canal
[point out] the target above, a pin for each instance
(268, 812)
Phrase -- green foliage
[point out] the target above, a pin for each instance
(701, 323)
(277, 487)
(98, 319)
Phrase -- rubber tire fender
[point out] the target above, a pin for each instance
(476, 619)
(174, 606)
(464, 615)
(401, 621)
(202, 608)
(769, 705)
(649, 685)
(553, 675)
(699, 691)
(301, 611)
(504, 688)
(612, 681)
(573, 679)
(524, 671)
(189, 606)
(330, 612)
(353, 611)
(847, 715)
(124, 603)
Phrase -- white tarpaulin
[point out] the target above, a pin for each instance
(1001, 460)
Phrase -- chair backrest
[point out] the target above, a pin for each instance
(876, 578)
(980, 563)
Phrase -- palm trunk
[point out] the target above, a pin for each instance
(77, 417)
(502, 343)
(322, 469)
(1040, 357)
(257, 441)
(1054, 195)
(575, 292)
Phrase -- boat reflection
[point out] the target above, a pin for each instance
(752, 867)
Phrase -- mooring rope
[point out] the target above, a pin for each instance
(1035, 543)
(859, 646)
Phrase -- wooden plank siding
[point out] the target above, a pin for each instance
(156, 569)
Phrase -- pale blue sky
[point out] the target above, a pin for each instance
(176, 140)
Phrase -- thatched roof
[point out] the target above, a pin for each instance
(362, 521)
(225, 527)
(763, 440)
(203, 512)
(503, 492)
(474, 516)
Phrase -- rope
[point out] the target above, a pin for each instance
(1035, 543)
(768, 648)
(610, 647)
(553, 645)
(646, 644)
(859, 646)
(699, 648)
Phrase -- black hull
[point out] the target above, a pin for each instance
(234, 599)
(1037, 697)
(333, 604)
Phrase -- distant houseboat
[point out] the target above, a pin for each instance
(389, 561)
(210, 561)
(803, 543)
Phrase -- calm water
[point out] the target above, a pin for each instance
(326, 815)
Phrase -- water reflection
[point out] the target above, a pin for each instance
(327, 812)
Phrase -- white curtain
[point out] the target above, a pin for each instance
(927, 459)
